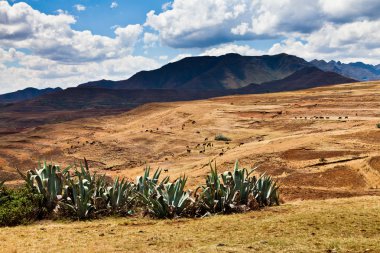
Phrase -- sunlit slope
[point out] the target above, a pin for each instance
(319, 143)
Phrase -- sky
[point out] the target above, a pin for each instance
(51, 43)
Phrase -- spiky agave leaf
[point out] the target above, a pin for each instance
(168, 200)
(121, 195)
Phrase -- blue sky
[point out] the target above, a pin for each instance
(98, 16)
(48, 43)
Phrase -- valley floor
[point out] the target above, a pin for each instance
(318, 143)
(335, 225)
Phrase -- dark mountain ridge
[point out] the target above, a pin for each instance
(25, 94)
(356, 70)
(230, 71)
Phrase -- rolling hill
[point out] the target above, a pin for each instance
(305, 78)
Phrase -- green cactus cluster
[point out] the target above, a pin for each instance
(82, 194)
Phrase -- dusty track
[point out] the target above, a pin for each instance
(336, 155)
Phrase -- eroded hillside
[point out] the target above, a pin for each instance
(319, 143)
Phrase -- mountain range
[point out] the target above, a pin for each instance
(188, 79)
(25, 94)
(357, 70)
(230, 71)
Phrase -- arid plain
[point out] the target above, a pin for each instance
(319, 143)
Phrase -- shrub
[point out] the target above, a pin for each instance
(20, 206)
(221, 137)
(378, 125)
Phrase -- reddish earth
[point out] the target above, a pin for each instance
(319, 143)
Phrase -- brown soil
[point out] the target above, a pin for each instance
(304, 154)
(338, 177)
(374, 162)
(269, 130)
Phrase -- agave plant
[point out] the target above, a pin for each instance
(78, 198)
(120, 196)
(236, 191)
(100, 193)
(146, 185)
(168, 200)
(266, 191)
(48, 180)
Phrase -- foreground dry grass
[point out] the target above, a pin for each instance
(336, 225)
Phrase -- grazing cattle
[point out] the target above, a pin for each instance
(166, 170)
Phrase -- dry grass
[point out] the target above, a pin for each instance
(337, 225)
(266, 129)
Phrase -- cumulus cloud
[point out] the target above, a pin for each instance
(233, 48)
(52, 37)
(202, 23)
(114, 5)
(356, 41)
(80, 7)
(150, 39)
(56, 54)
(41, 49)
(32, 70)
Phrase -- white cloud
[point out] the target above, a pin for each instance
(114, 5)
(150, 39)
(163, 57)
(80, 7)
(32, 70)
(232, 48)
(52, 37)
(57, 55)
(166, 6)
(201, 23)
(356, 41)
(180, 57)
